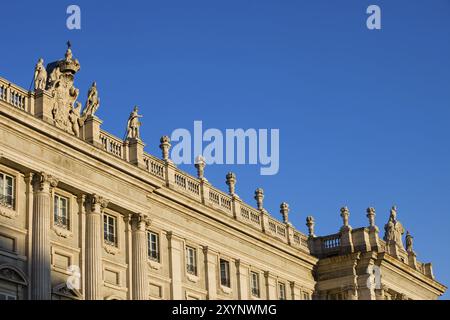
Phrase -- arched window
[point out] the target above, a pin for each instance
(13, 283)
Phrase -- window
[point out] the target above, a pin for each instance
(110, 229)
(60, 213)
(225, 273)
(7, 296)
(254, 278)
(6, 190)
(153, 246)
(281, 291)
(191, 261)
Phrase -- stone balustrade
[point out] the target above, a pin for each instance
(14, 95)
(155, 166)
(111, 144)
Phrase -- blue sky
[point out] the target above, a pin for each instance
(363, 115)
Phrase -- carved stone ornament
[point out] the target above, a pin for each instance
(63, 233)
(112, 250)
(66, 110)
(7, 212)
(43, 181)
(97, 203)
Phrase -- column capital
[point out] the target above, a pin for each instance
(44, 182)
(209, 250)
(97, 203)
(140, 221)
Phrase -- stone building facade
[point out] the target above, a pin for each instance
(86, 215)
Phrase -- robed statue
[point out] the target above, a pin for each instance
(133, 125)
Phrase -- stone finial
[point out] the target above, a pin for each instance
(409, 242)
(259, 197)
(165, 147)
(134, 124)
(231, 182)
(200, 164)
(345, 214)
(310, 223)
(284, 210)
(371, 217)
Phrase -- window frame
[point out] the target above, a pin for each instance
(149, 249)
(106, 233)
(194, 270)
(3, 192)
(255, 287)
(58, 196)
(227, 279)
(282, 288)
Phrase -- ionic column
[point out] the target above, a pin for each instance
(139, 224)
(41, 264)
(94, 239)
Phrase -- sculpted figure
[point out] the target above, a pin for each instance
(394, 229)
(93, 101)
(40, 75)
(134, 125)
(74, 116)
(409, 242)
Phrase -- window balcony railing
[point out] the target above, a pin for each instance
(191, 269)
(255, 292)
(153, 255)
(7, 201)
(61, 222)
(110, 240)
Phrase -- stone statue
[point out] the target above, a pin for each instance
(40, 75)
(74, 117)
(394, 229)
(93, 101)
(134, 125)
(409, 242)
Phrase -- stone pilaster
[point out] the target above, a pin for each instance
(139, 224)
(242, 275)
(176, 265)
(295, 291)
(271, 286)
(211, 258)
(94, 240)
(41, 264)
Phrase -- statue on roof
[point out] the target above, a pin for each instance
(40, 75)
(394, 229)
(93, 101)
(409, 242)
(133, 125)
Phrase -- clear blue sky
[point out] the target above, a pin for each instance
(363, 115)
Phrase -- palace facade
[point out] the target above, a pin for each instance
(86, 215)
